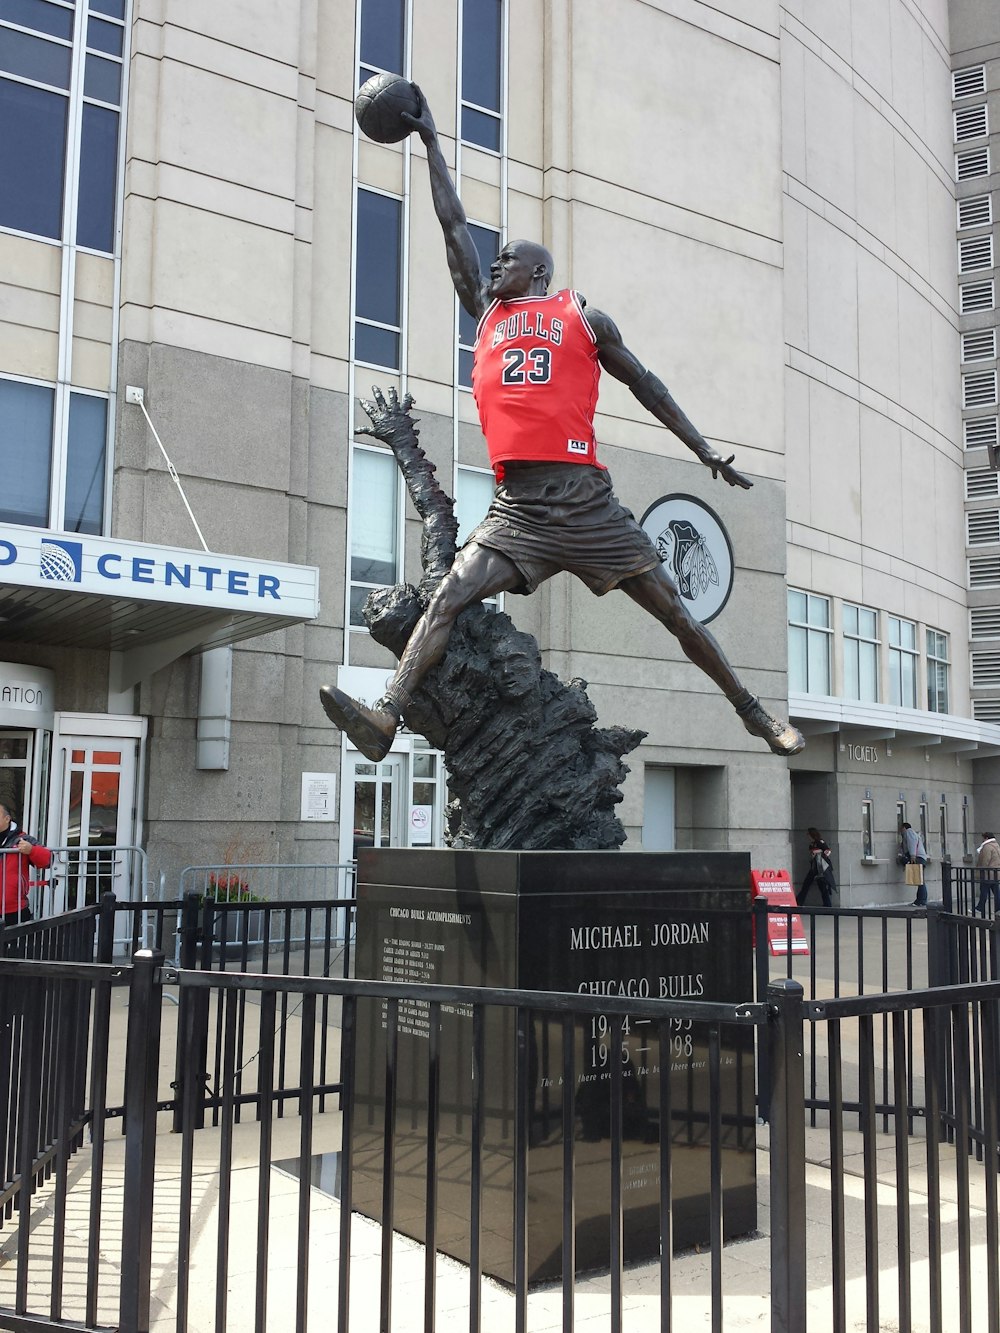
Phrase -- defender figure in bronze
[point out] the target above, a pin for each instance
(536, 368)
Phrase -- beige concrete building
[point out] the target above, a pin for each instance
(773, 201)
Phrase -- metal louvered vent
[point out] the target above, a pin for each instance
(971, 122)
(986, 710)
(979, 390)
(970, 165)
(979, 345)
(983, 527)
(976, 296)
(969, 81)
(985, 622)
(985, 669)
(982, 483)
(981, 433)
(976, 211)
(984, 571)
(975, 252)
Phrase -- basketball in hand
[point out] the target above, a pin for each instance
(379, 103)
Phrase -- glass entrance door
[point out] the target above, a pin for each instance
(15, 774)
(98, 813)
(377, 802)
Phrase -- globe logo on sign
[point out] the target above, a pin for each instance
(695, 550)
(61, 562)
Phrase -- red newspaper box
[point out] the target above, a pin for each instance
(776, 887)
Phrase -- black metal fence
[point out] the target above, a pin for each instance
(257, 1259)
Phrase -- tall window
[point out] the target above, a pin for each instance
(902, 662)
(861, 654)
(487, 243)
(937, 671)
(867, 829)
(473, 493)
(56, 55)
(28, 457)
(383, 38)
(378, 280)
(482, 72)
(808, 643)
(374, 526)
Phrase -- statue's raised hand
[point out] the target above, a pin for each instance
(423, 121)
(722, 467)
(386, 413)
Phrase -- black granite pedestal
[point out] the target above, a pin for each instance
(658, 924)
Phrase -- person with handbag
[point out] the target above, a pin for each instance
(988, 863)
(916, 853)
(820, 870)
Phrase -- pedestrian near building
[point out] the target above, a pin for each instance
(820, 870)
(988, 862)
(18, 852)
(916, 859)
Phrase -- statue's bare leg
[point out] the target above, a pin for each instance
(478, 572)
(656, 593)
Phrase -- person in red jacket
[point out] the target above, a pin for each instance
(17, 853)
(536, 365)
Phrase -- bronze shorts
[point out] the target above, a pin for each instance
(547, 517)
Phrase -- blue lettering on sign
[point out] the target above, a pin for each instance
(238, 582)
(209, 571)
(103, 562)
(8, 553)
(178, 574)
(142, 571)
(267, 583)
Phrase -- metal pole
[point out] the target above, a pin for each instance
(106, 929)
(788, 1160)
(762, 969)
(142, 1058)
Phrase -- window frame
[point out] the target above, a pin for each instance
(934, 638)
(898, 653)
(498, 114)
(860, 640)
(366, 69)
(398, 535)
(809, 629)
(366, 321)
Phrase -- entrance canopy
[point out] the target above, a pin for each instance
(147, 604)
(900, 728)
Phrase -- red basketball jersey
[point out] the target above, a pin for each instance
(534, 375)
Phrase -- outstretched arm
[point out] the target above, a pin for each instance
(654, 395)
(463, 258)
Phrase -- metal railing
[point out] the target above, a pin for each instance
(876, 1277)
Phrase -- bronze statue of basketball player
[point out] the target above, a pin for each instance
(535, 373)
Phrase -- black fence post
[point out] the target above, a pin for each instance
(142, 1060)
(192, 1018)
(947, 894)
(938, 959)
(106, 928)
(788, 1158)
(762, 969)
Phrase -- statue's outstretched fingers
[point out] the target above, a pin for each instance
(379, 397)
(393, 399)
(408, 402)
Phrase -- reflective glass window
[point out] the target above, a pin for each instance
(25, 452)
(938, 671)
(808, 643)
(383, 37)
(88, 423)
(377, 279)
(95, 227)
(114, 8)
(32, 158)
(482, 72)
(107, 37)
(374, 521)
(35, 58)
(902, 636)
(487, 243)
(861, 653)
(102, 79)
(55, 20)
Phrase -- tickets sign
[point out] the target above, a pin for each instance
(776, 887)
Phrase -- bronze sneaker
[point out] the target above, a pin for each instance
(782, 737)
(371, 729)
